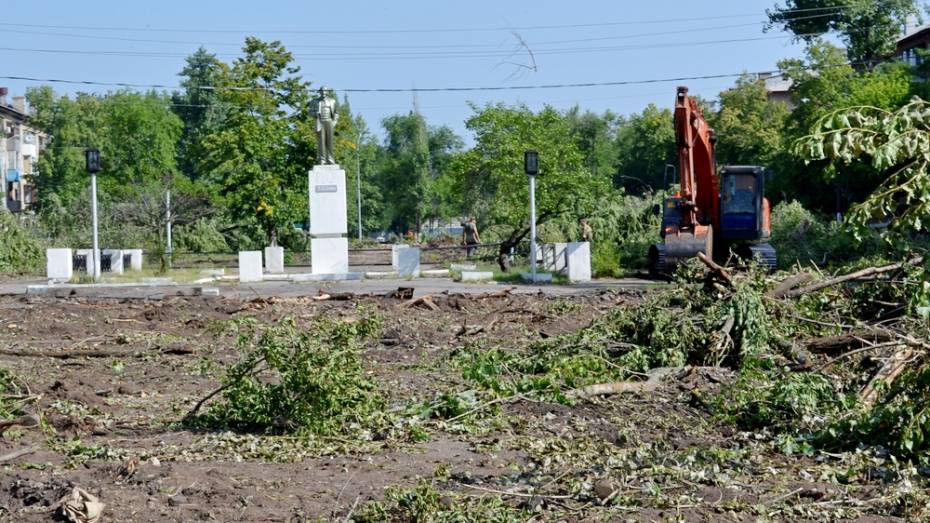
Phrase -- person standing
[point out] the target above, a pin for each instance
(470, 237)
(587, 233)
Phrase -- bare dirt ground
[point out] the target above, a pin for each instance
(111, 379)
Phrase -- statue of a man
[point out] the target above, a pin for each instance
(326, 118)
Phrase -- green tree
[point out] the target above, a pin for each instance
(645, 145)
(822, 84)
(895, 143)
(868, 28)
(491, 179)
(596, 136)
(258, 156)
(198, 106)
(749, 126)
(414, 159)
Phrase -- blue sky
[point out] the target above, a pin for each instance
(403, 44)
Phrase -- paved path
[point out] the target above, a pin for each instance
(289, 289)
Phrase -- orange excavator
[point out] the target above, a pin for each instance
(712, 214)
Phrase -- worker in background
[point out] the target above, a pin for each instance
(587, 233)
(470, 237)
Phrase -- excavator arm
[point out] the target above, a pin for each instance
(700, 188)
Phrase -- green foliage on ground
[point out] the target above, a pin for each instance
(299, 380)
(900, 421)
(7, 386)
(19, 251)
(427, 504)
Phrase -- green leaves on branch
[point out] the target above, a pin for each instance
(896, 143)
(299, 380)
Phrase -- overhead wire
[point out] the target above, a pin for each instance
(416, 30)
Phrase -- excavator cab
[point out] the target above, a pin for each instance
(745, 213)
(741, 202)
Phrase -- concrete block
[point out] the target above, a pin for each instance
(135, 259)
(329, 255)
(579, 262)
(327, 185)
(59, 264)
(206, 291)
(395, 255)
(541, 277)
(213, 272)
(435, 273)
(274, 260)
(250, 266)
(408, 262)
(477, 275)
(116, 260)
(462, 266)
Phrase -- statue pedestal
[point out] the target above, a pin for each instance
(329, 249)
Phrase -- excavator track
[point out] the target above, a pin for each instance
(764, 254)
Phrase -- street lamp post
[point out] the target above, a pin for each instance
(531, 167)
(92, 157)
(358, 181)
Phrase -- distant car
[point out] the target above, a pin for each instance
(381, 239)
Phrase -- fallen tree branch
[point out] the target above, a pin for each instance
(717, 269)
(789, 283)
(887, 374)
(864, 273)
(833, 344)
(603, 389)
(426, 299)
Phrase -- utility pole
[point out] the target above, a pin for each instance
(531, 167)
(92, 157)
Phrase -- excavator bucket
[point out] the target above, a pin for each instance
(679, 247)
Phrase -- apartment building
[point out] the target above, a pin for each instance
(20, 146)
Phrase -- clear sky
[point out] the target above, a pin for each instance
(362, 44)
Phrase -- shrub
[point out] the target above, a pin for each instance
(202, 236)
(19, 252)
(299, 381)
(799, 236)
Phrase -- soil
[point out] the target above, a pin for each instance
(111, 380)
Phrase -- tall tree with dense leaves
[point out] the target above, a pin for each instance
(749, 126)
(494, 185)
(413, 160)
(645, 145)
(868, 28)
(596, 135)
(257, 155)
(198, 106)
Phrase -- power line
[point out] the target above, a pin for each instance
(414, 55)
(409, 46)
(493, 88)
(418, 30)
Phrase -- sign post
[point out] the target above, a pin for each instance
(531, 167)
(92, 157)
